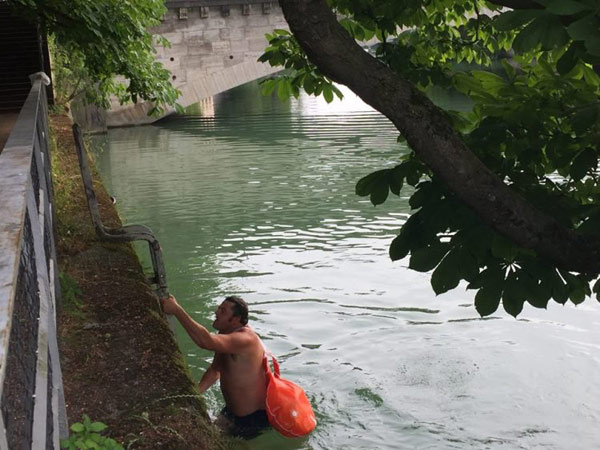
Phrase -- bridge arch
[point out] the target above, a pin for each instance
(214, 47)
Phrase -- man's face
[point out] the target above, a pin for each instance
(224, 318)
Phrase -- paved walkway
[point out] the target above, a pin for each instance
(7, 120)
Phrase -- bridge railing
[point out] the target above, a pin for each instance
(32, 409)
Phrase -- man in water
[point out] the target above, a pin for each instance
(237, 363)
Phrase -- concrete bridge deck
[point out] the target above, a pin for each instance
(215, 45)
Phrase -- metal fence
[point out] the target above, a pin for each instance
(32, 408)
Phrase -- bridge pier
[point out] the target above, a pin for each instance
(214, 47)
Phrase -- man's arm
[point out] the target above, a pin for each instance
(220, 343)
(209, 378)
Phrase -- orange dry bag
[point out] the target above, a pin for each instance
(288, 408)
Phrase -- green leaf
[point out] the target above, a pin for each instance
(596, 289)
(583, 28)
(179, 109)
(426, 258)
(310, 84)
(379, 193)
(467, 264)
(508, 68)
(466, 83)
(568, 60)
(413, 177)
(379, 183)
(410, 236)
(89, 443)
(578, 286)
(327, 93)
(584, 162)
(504, 249)
(585, 118)
(514, 295)
(283, 90)
(446, 276)
(77, 427)
(487, 300)
(424, 194)
(515, 19)
(592, 44)
(266, 56)
(589, 75)
(565, 7)
(395, 179)
(337, 92)
(98, 426)
(577, 296)
(400, 246)
(368, 183)
(559, 289)
(476, 238)
(490, 283)
(546, 30)
(268, 86)
(489, 81)
(538, 294)
(376, 185)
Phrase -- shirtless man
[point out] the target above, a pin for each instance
(237, 363)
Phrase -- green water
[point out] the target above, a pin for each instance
(256, 198)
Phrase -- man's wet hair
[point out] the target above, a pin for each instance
(240, 308)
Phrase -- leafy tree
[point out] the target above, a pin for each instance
(103, 39)
(507, 195)
(69, 76)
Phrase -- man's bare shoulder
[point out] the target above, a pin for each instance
(249, 336)
(240, 342)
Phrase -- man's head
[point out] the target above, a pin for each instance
(231, 314)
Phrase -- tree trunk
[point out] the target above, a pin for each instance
(429, 133)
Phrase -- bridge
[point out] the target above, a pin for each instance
(214, 47)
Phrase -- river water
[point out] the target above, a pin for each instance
(255, 197)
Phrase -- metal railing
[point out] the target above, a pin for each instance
(32, 407)
(126, 233)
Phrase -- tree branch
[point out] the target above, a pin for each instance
(429, 133)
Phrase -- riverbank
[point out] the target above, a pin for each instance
(120, 362)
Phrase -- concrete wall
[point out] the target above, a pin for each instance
(212, 50)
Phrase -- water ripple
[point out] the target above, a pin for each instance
(394, 309)
(303, 300)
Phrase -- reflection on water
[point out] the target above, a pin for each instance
(258, 200)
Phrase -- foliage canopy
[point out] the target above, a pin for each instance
(101, 39)
(528, 67)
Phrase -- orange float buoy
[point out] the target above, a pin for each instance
(288, 408)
